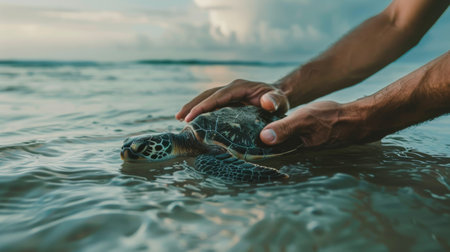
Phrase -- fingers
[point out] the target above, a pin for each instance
(188, 107)
(278, 131)
(317, 124)
(275, 101)
(217, 100)
(241, 91)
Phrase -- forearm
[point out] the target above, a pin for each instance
(365, 50)
(417, 97)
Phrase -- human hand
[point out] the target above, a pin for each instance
(319, 124)
(246, 92)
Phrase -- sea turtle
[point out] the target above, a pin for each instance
(223, 142)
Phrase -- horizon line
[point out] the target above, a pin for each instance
(81, 63)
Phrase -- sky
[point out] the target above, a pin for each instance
(113, 30)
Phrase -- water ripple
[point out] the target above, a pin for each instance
(64, 187)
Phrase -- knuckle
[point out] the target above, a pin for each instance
(285, 129)
(237, 82)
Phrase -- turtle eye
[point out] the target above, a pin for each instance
(141, 148)
(138, 147)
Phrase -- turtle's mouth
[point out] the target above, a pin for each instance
(128, 154)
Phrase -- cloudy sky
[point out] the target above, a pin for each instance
(273, 30)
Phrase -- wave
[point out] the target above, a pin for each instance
(57, 63)
(48, 63)
(215, 62)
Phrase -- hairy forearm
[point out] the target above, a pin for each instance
(417, 97)
(362, 52)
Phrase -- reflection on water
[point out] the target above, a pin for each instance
(64, 187)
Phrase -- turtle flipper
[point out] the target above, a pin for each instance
(227, 167)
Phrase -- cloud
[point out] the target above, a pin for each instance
(283, 27)
(257, 22)
(48, 33)
(208, 29)
(97, 16)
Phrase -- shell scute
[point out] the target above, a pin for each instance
(237, 129)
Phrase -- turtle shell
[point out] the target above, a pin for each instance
(237, 129)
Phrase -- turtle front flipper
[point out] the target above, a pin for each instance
(225, 166)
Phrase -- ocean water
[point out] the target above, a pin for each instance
(63, 186)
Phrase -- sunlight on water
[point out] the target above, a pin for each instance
(64, 187)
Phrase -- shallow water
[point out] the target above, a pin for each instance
(63, 186)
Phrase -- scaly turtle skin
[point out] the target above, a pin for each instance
(223, 142)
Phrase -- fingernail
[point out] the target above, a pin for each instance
(275, 104)
(269, 135)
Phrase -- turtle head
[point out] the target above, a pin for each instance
(153, 147)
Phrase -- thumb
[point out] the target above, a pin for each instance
(275, 100)
(278, 131)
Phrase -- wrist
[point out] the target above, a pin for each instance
(298, 86)
(358, 114)
(377, 116)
